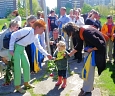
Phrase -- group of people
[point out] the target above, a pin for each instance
(67, 33)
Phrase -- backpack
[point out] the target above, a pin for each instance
(6, 39)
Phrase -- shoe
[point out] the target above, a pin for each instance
(28, 86)
(81, 92)
(32, 72)
(86, 93)
(64, 83)
(59, 81)
(20, 90)
(79, 61)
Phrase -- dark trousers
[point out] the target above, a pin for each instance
(114, 51)
(62, 73)
(28, 51)
(77, 55)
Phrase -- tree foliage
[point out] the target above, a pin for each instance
(86, 8)
(22, 7)
(68, 7)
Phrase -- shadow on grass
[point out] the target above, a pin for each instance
(111, 69)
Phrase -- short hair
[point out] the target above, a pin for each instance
(39, 13)
(13, 24)
(15, 12)
(64, 8)
(39, 23)
(109, 16)
(30, 18)
(52, 11)
(79, 9)
(55, 29)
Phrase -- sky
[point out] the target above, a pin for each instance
(51, 3)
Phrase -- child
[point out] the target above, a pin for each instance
(61, 56)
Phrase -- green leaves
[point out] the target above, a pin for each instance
(51, 65)
(9, 71)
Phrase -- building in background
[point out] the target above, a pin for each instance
(97, 2)
(74, 3)
(7, 6)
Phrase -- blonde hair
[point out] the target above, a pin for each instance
(62, 44)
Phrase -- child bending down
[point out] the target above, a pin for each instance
(60, 57)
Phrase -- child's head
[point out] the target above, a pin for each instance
(61, 46)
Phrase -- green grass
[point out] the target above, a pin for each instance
(106, 82)
(2, 21)
(103, 20)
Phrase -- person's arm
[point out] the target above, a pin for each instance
(72, 52)
(40, 48)
(95, 41)
(92, 49)
(42, 37)
(62, 38)
(80, 21)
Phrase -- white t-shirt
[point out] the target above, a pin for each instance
(18, 18)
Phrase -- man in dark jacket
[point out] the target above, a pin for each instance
(93, 39)
(55, 39)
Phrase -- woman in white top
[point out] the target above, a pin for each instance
(71, 16)
(17, 17)
(79, 20)
(19, 54)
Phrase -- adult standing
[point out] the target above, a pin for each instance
(108, 29)
(78, 21)
(96, 42)
(52, 18)
(29, 48)
(17, 17)
(60, 22)
(19, 54)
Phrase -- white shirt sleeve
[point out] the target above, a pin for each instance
(17, 35)
(42, 37)
(80, 21)
(13, 38)
(40, 48)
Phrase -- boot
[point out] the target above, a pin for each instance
(64, 83)
(59, 81)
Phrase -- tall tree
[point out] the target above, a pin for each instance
(86, 8)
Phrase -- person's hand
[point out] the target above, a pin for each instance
(108, 34)
(49, 57)
(114, 35)
(59, 22)
(64, 54)
(90, 50)
(51, 42)
(11, 52)
(54, 58)
(77, 17)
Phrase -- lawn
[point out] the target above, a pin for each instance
(106, 82)
(2, 21)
